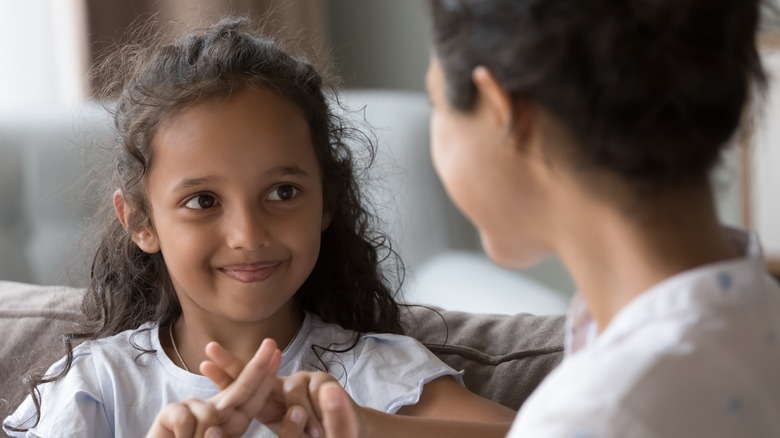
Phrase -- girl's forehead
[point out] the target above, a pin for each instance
(254, 126)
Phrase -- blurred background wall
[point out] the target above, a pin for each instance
(46, 47)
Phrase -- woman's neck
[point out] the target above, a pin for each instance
(614, 255)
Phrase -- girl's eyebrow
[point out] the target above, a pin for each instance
(286, 171)
(194, 182)
(189, 183)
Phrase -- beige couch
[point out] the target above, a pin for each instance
(504, 357)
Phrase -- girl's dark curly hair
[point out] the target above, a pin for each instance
(129, 287)
(651, 90)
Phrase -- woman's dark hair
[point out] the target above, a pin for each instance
(652, 90)
(129, 287)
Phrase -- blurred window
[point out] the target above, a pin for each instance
(44, 52)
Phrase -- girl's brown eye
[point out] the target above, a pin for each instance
(201, 202)
(283, 193)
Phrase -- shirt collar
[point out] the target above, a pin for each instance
(727, 283)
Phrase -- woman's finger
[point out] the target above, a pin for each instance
(297, 390)
(338, 414)
(293, 424)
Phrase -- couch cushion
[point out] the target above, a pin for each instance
(504, 357)
(32, 318)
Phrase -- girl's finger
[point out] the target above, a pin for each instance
(255, 381)
(225, 360)
(216, 374)
(164, 423)
(215, 432)
(235, 423)
(183, 420)
(205, 415)
(258, 400)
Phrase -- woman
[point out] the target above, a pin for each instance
(588, 129)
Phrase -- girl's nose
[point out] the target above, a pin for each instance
(247, 230)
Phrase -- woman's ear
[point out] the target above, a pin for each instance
(499, 105)
(145, 237)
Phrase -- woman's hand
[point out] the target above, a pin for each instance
(339, 414)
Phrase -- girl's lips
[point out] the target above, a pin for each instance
(250, 273)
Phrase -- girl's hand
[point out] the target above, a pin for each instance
(301, 390)
(219, 416)
(191, 418)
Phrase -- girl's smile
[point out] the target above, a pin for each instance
(250, 272)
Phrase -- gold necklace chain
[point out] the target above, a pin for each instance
(176, 350)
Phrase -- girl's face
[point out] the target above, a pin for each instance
(236, 206)
(491, 180)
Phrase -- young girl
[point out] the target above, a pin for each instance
(237, 218)
(588, 128)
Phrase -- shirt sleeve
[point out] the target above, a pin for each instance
(71, 406)
(390, 371)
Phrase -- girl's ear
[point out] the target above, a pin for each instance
(499, 105)
(327, 217)
(145, 238)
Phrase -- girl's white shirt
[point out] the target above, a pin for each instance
(114, 390)
(697, 355)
